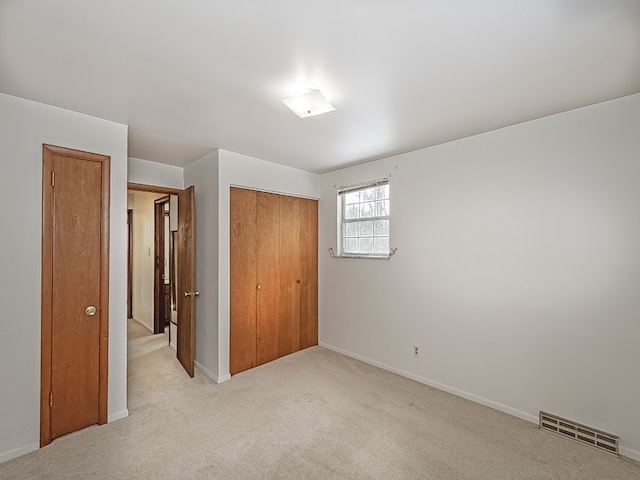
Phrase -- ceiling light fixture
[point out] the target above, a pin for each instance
(310, 104)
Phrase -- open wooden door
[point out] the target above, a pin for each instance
(161, 314)
(186, 273)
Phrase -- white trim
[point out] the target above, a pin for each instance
(277, 192)
(172, 344)
(362, 185)
(118, 416)
(18, 452)
(627, 452)
(342, 221)
(209, 374)
(142, 323)
(624, 451)
(440, 386)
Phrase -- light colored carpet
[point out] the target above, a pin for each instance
(312, 415)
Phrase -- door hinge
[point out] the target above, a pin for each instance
(53, 179)
(51, 400)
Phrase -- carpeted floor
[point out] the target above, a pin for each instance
(312, 415)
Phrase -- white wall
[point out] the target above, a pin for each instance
(203, 175)
(248, 172)
(143, 256)
(152, 173)
(212, 176)
(24, 127)
(517, 271)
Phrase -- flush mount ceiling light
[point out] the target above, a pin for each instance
(310, 104)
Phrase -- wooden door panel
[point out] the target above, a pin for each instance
(75, 273)
(268, 278)
(289, 265)
(313, 272)
(75, 285)
(274, 268)
(309, 273)
(243, 258)
(304, 275)
(186, 256)
(159, 313)
(129, 263)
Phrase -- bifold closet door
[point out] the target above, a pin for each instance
(274, 277)
(290, 279)
(268, 278)
(243, 264)
(308, 241)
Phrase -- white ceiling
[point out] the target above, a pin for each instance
(191, 76)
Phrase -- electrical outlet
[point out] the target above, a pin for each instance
(416, 351)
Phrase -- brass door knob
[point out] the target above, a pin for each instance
(90, 310)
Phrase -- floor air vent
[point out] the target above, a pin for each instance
(581, 433)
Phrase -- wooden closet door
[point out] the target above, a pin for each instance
(308, 241)
(268, 277)
(290, 280)
(274, 277)
(243, 280)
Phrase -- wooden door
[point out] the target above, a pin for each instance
(129, 263)
(268, 278)
(273, 277)
(243, 282)
(160, 312)
(75, 258)
(186, 254)
(308, 273)
(290, 278)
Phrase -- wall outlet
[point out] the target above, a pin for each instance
(416, 351)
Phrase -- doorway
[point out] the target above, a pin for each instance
(163, 304)
(150, 282)
(163, 265)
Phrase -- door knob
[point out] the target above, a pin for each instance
(90, 310)
(191, 294)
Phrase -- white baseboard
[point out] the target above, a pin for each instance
(173, 335)
(624, 451)
(118, 416)
(440, 386)
(208, 373)
(32, 447)
(143, 324)
(627, 452)
(18, 452)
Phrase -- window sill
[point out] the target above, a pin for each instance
(367, 257)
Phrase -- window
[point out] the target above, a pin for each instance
(363, 212)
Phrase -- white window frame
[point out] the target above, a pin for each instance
(341, 220)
